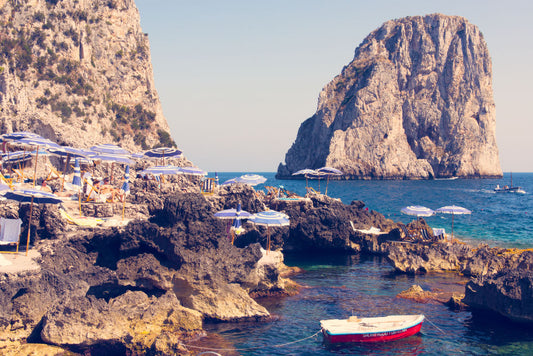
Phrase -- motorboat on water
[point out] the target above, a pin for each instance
(376, 329)
(509, 189)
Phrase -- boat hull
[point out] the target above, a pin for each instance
(373, 336)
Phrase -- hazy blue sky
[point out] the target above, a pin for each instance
(237, 78)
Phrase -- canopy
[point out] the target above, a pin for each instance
(108, 148)
(270, 218)
(417, 210)
(192, 171)
(250, 179)
(454, 210)
(162, 152)
(31, 196)
(157, 170)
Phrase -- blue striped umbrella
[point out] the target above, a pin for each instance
(270, 218)
(126, 185)
(158, 170)
(76, 180)
(32, 196)
(235, 214)
(113, 158)
(125, 188)
(16, 157)
(110, 149)
(305, 172)
(454, 210)
(162, 152)
(19, 135)
(192, 171)
(329, 172)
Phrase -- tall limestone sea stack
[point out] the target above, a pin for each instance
(79, 73)
(415, 103)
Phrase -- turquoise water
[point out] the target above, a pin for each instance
(499, 219)
(338, 286)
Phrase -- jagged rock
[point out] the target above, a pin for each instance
(137, 320)
(422, 258)
(509, 293)
(456, 302)
(415, 102)
(219, 302)
(79, 73)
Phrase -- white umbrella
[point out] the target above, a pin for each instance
(454, 210)
(270, 218)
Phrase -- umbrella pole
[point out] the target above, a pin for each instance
(452, 226)
(123, 205)
(29, 227)
(268, 238)
(327, 183)
(35, 169)
(64, 172)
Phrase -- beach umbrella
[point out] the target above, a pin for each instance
(305, 172)
(76, 180)
(112, 158)
(110, 149)
(32, 196)
(454, 210)
(229, 181)
(158, 170)
(192, 171)
(125, 188)
(162, 152)
(250, 179)
(68, 152)
(270, 218)
(19, 135)
(39, 142)
(233, 214)
(329, 172)
(418, 211)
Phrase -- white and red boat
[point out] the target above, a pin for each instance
(385, 328)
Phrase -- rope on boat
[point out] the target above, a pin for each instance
(252, 348)
(436, 327)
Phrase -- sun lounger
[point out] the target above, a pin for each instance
(80, 221)
(208, 186)
(425, 235)
(408, 235)
(373, 230)
(10, 232)
(439, 233)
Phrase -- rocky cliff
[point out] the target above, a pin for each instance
(415, 102)
(78, 72)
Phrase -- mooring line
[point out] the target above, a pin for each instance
(436, 327)
(251, 348)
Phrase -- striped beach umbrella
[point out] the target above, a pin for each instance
(454, 210)
(32, 196)
(110, 149)
(125, 188)
(235, 215)
(270, 218)
(192, 171)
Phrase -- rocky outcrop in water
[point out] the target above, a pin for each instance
(79, 73)
(415, 102)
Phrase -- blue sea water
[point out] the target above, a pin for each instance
(338, 286)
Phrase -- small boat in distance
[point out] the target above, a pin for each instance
(377, 329)
(509, 189)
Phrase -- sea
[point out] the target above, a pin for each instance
(338, 286)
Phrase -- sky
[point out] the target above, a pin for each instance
(237, 78)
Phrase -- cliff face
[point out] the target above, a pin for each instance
(415, 102)
(78, 72)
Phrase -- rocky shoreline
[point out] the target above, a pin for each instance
(149, 286)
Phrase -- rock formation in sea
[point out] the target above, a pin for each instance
(79, 72)
(415, 102)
